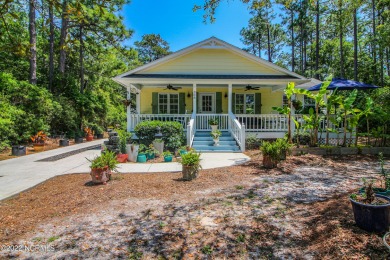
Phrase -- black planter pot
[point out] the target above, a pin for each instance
(372, 218)
(99, 136)
(78, 140)
(64, 142)
(18, 150)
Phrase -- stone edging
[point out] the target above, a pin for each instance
(341, 150)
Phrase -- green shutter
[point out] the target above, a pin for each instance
(218, 102)
(182, 103)
(233, 103)
(154, 103)
(257, 103)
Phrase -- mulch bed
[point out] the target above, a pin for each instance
(235, 212)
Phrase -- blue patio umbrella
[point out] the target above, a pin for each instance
(344, 84)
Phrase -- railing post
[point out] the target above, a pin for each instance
(242, 138)
(189, 134)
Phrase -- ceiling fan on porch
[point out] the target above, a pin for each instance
(249, 87)
(170, 87)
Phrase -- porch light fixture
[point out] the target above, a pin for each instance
(134, 137)
(226, 95)
(189, 95)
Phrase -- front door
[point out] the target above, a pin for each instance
(206, 103)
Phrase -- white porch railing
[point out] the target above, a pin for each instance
(202, 122)
(191, 130)
(237, 130)
(264, 122)
(181, 118)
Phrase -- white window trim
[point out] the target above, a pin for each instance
(254, 102)
(169, 103)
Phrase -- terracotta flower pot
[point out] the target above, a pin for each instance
(39, 147)
(100, 175)
(89, 138)
(122, 158)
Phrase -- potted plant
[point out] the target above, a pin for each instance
(384, 188)
(371, 211)
(190, 165)
(39, 141)
(215, 135)
(79, 137)
(159, 145)
(64, 141)
(132, 152)
(98, 131)
(88, 134)
(18, 150)
(102, 167)
(213, 122)
(183, 150)
(167, 156)
(151, 152)
(284, 147)
(141, 157)
(271, 154)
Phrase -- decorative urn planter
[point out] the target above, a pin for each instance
(214, 128)
(159, 146)
(132, 152)
(216, 141)
(100, 175)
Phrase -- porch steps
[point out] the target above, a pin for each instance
(204, 143)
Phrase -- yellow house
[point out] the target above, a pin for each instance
(211, 79)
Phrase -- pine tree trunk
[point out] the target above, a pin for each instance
(355, 45)
(269, 44)
(374, 39)
(317, 76)
(33, 43)
(341, 41)
(64, 33)
(51, 46)
(292, 42)
(81, 59)
(388, 62)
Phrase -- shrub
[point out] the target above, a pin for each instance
(252, 142)
(284, 147)
(107, 159)
(271, 149)
(304, 138)
(172, 133)
(124, 138)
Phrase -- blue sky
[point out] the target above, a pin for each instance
(175, 21)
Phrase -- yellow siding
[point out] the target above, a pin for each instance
(212, 61)
(269, 99)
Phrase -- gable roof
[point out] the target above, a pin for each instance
(211, 43)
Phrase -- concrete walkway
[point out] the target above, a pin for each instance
(19, 174)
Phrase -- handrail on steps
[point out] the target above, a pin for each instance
(237, 130)
(191, 130)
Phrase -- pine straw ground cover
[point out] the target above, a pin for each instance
(299, 210)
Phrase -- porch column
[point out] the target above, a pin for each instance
(138, 102)
(194, 104)
(128, 109)
(230, 98)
